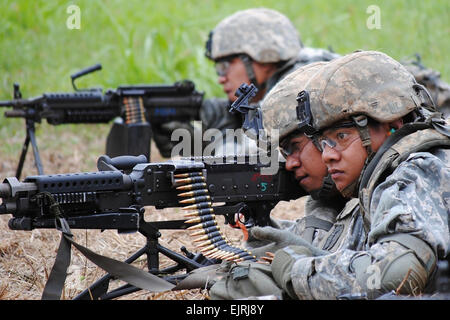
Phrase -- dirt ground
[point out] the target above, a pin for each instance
(26, 257)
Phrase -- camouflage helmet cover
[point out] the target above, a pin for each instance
(362, 83)
(279, 107)
(263, 34)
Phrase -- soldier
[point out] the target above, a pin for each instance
(382, 141)
(258, 46)
(304, 160)
(373, 115)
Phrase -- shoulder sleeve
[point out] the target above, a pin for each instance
(415, 199)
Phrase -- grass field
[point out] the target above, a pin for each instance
(163, 41)
(155, 42)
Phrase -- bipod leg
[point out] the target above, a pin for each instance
(37, 157)
(31, 137)
(23, 156)
(151, 231)
(99, 289)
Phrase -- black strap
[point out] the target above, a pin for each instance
(57, 277)
(120, 270)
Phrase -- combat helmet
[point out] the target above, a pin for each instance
(281, 119)
(362, 85)
(279, 107)
(264, 35)
(259, 34)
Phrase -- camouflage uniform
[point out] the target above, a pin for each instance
(214, 112)
(405, 214)
(278, 108)
(398, 226)
(358, 259)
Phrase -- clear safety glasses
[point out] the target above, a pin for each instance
(222, 67)
(339, 137)
(288, 148)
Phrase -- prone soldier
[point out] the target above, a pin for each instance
(269, 49)
(386, 149)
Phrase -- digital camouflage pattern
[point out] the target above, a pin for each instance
(420, 140)
(381, 89)
(263, 34)
(317, 219)
(406, 226)
(413, 200)
(279, 105)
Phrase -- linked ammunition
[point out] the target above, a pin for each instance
(215, 245)
(187, 175)
(205, 231)
(196, 199)
(208, 236)
(179, 182)
(211, 241)
(249, 257)
(194, 186)
(199, 213)
(203, 225)
(211, 253)
(204, 218)
(201, 205)
(199, 192)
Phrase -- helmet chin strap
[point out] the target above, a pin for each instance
(362, 125)
(363, 128)
(251, 73)
(326, 191)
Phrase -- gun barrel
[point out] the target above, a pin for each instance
(7, 103)
(15, 114)
(5, 190)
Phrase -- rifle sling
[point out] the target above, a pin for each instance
(117, 269)
(57, 277)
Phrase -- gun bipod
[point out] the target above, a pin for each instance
(99, 290)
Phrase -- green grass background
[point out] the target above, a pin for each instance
(163, 41)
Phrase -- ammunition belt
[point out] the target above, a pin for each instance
(210, 239)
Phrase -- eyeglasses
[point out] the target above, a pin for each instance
(340, 137)
(288, 148)
(223, 64)
(222, 67)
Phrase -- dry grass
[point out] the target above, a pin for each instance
(26, 257)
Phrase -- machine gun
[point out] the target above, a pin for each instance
(138, 106)
(115, 197)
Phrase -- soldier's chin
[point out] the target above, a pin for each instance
(231, 97)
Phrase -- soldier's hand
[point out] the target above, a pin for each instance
(162, 134)
(277, 239)
(282, 264)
